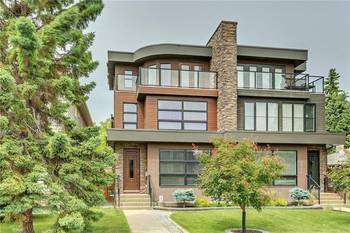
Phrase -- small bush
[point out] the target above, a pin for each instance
(279, 202)
(202, 202)
(183, 196)
(299, 194)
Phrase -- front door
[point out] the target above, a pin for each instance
(131, 174)
(313, 167)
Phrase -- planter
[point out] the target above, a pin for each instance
(249, 230)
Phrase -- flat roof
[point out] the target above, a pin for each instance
(297, 56)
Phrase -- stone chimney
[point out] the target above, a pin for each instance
(224, 61)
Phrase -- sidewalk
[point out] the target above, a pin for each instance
(150, 221)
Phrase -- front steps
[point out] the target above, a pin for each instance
(331, 199)
(135, 201)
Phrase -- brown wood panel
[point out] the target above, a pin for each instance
(175, 91)
(131, 169)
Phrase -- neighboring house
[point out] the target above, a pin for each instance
(168, 97)
(80, 114)
(339, 157)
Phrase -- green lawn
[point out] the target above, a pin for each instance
(113, 221)
(272, 220)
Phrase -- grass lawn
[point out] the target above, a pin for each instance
(272, 220)
(113, 221)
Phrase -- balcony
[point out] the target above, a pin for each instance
(280, 81)
(177, 78)
(124, 82)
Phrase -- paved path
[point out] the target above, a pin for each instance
(150, 221)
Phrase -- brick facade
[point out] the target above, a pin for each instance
(224, 62)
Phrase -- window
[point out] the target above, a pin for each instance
(298, 118)
(152, 75)
(249, 115)
(182, 115)
(130, 116)
(289, 175)
(165, 75)
(310, 112)
(261, 116)
(185, 76)
(260, 76)
(128, 79)
(197, 69)
(177, 167)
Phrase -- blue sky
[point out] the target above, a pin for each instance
(322, 27)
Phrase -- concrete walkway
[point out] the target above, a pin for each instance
(150, 221)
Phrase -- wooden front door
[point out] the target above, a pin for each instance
(131, 174)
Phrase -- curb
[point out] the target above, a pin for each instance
(180, 228)
(234, 207)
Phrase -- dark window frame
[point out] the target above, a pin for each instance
(182, 110)
(274, 153)
(185, 162)
(304, 117)
(267, 116)
(127, 112)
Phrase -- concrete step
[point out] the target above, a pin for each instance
(135, 199)
(130, 204)
(136, 207)
(134, 195)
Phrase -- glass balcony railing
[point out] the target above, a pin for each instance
(125, 82)
(177, 78)
(280, 81)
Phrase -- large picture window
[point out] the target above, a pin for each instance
(177, 167)
(261, 116)
(289, 175)
(129, 115)
(182, 115)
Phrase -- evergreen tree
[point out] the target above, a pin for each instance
(43, 54)
(337, 107)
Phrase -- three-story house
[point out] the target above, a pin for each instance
(168, 97)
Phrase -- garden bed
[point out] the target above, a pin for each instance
(231, 207)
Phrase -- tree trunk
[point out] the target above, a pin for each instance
(244, 220)
(27, 222)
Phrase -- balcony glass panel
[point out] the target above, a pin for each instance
(125, 82)
(178, 78)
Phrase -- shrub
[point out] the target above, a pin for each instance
(299, 194)
(202, 202)
(183, 196)
(279, 202)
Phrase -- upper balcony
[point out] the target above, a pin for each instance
(176, 82)
(280, 81)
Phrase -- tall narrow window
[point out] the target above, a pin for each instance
(240, 76)
(279, 80)
(196, 75)
(130, 116)
(128, 79)
(287, 117)
(250, 78)
(272, 113)
(298, 117)
(249, 116)
(185, 76)
(152, 75)
(260, 116)
(310, 113)
(165, 75)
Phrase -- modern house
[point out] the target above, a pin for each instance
(168, 97)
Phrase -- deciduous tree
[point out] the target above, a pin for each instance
(238, 172)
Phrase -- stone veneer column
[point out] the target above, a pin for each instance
(224, 61)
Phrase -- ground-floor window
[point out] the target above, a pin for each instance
(178, 167)
(289, 175)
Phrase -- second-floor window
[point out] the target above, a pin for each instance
(129, 115)
(261, 116)
(182, 115)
